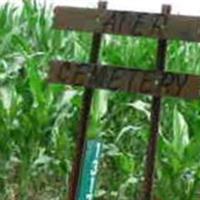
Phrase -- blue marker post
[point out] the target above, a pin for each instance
(89, 170)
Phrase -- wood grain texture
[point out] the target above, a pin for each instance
(127, 80)
(176, 27)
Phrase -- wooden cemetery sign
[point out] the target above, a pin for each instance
(128, 23)
(92, 75)
(127, 80)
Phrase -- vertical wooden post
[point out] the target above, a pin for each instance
(155, 119)
(84, 118)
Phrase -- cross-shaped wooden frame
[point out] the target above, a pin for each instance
(92, 75)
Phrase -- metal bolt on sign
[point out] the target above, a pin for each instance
(92, 75)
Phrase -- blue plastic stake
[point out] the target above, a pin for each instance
(89, 170)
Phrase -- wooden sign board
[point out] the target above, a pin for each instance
(156, 83)
(123, 79)
(128, 23)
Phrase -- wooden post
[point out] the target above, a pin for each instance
(84, 118)
(155, 118)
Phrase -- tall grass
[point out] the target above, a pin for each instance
(38, 121)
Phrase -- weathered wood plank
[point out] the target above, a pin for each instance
(128, 23)
(123, 79)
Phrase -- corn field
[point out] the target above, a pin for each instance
(38, 120)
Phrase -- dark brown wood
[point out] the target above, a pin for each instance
(84, 120)
(128, 23)
(155, 119)
(156, 83)
(123, 79)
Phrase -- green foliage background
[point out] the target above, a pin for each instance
(38, 121)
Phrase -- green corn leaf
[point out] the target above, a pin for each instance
(99, 109)
(180, 133)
